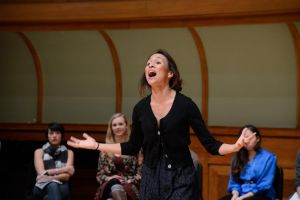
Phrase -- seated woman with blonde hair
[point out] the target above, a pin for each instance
(118, 175)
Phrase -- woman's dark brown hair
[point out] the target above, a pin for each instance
(54, 126)
(174, 83)
(241, 158)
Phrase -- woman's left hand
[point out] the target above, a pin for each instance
(240, 142)
(243, 139)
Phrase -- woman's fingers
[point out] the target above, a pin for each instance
(74, 139)
(248, 138)
(87, 136)
(87, 143)
(72, 143)
(244, 132)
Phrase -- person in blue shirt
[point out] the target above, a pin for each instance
(252, 171)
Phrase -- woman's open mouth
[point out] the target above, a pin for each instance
(152, 74)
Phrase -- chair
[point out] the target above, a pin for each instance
(278, 182)
(199, 180)
(198, 168)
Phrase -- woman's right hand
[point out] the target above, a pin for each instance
(235, 195)
(87, 143)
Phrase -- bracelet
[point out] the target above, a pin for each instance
(45, 173)
(97, 146)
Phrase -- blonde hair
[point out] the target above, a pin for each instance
(110, 136)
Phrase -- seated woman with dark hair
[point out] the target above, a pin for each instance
(54, 166)
(252, 170)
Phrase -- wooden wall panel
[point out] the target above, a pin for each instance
(218, 181)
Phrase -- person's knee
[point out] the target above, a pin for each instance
(117, 187)
(53, 187)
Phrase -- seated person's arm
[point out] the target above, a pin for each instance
(249, 194)
(234, 187)
(298, 190)
(266, 178)
(64, 173)
(235, 194)
(60, 174)
(38, 161)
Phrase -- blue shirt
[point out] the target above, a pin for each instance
(258, 176)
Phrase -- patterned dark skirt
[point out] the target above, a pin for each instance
(161, 183)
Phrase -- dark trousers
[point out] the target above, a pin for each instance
(53, 191)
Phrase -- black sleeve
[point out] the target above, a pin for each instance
(133, 146)
(200, 129)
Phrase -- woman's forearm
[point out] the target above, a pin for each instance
(90, 143)
(110, 148)
(227, 149)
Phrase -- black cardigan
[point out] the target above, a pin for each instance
(172, 138)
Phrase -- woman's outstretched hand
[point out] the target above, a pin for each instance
(87, 143)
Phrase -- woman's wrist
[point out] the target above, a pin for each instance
(97, 146)
(45, 173)
(298, 190)
(235, 193)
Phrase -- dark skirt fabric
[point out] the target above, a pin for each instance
(161, 183)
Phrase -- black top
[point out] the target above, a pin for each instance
(172, 137)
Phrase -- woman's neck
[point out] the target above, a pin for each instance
(162, 94)
(251, 155)
(120, 138)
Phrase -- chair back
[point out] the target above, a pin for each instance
(199, 180)
(278, 182)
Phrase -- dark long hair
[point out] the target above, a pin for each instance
(174, 83)
(241, 158)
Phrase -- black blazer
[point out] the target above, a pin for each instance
(172, 138)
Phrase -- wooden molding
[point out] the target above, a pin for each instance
(296, 38)
(118, 71)
(62, 15)
(204, 72)
(23, 128)
(142, 9)
(39, 76)
(19, 131)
